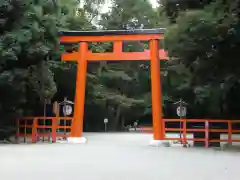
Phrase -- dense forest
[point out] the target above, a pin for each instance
(202, 39)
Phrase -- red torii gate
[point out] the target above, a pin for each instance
(84, 55)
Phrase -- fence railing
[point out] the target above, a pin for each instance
(204, 126)
(38, 128)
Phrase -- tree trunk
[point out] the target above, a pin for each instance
(123, 123)
(117, 118)
(101, 66)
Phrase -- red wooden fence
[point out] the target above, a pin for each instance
(206, 129)
(31, 127)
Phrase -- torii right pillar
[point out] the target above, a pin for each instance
(157, 116)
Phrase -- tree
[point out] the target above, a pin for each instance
(207, 42)
(128, 14)
(172, 8)
(28, 46)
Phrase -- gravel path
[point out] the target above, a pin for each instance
(115, 156)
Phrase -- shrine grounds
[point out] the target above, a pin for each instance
(116, 156)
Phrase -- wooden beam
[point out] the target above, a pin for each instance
(145, 37)
(115, 56)
(117, 46)
(70, 56)
(118, 56)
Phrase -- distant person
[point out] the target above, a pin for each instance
(135, 124)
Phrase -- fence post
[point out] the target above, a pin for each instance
(185, 131)
(229, 132)
(25, 130)
(206, 134)
(34, 130)
(54, 129)
(163, 129)
(17, 130)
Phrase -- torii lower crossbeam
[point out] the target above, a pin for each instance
(154, 54)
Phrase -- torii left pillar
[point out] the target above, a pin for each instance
(76, 135)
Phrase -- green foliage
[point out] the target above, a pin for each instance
(28, 44)
(172, 8)
(206, 42)
(127, 14)
(41, 81)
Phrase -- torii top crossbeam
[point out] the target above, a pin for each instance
(117, 37)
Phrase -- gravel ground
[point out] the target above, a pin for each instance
(115, 156)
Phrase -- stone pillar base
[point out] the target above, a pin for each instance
(77, 140)
(155, 143)
(158, 143)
